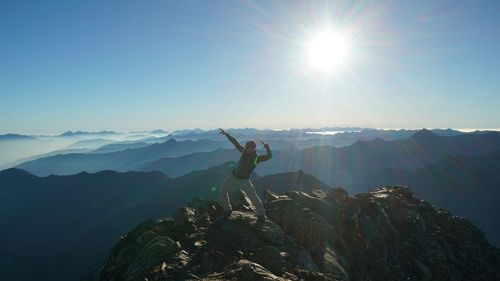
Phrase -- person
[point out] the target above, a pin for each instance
(240, 176)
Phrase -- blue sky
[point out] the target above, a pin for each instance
(137, 65)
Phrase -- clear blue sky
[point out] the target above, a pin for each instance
(135, 65)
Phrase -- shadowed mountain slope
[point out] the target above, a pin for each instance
(59, 227)
(55, 227)
(468, 186)
(179, 166)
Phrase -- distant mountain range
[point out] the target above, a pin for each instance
(350, 167)
(335, 136)
(80, 133)
(14, 147)
(124, 160)
(15, 137)
(138, 158)
(89, 144)
(119, 146)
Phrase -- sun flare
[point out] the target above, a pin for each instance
(328, 51)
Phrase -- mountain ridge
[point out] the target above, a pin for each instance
(134, 158)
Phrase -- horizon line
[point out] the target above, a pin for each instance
(338, 129)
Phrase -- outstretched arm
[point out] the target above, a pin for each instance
(232, 140)
(268, 155)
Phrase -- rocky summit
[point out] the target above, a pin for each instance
(384, 234)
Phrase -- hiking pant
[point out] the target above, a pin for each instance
(232, 184)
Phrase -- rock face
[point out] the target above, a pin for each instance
(385, 234)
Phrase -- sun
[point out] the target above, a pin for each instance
(328, 51)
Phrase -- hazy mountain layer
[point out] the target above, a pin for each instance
(15, 147)
(125, 160)
(132, 157)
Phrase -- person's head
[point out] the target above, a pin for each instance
(250, 147)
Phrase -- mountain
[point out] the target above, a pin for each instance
(54, 228)
(59, 227)
(334, 136)
(466, 185)
(178, 166)
(83, 133)
(83, 215)
(119, 146)
(345, 166)
(15, 137)
(138, 155)
(352, 166)
(125, 160)
(355, 162)
(52, 153)
(89, 144)
(14, 147)
(386, 234)
(153, 132)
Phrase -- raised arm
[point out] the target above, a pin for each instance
(268, 155)
(232, 140)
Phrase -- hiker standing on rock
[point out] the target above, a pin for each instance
(240, 176)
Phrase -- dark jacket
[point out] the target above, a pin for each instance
(248, 161)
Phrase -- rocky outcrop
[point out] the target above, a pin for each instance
(385, 234)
